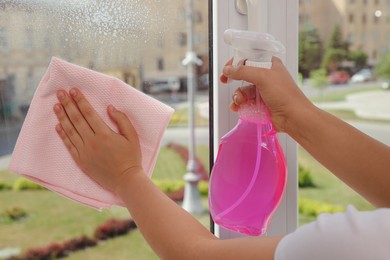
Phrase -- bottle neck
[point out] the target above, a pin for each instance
(255, 112)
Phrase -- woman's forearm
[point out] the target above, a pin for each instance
(168, 229)
(175, 234)
(357, 159)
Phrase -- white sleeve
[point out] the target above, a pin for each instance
(350, 235)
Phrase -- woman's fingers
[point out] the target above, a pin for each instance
(254, 75)
(126, 128)
(95, 122)
(223, 78)
(67, 127)
(243, 95)
(74, 115)
(68, 143)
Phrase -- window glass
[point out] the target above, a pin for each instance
(338, 62)
(143, 43)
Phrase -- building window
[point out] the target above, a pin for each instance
(376, 19)
(181, 15)
(350, 18)
(197, 17)
(160, 64)
(3, 39)
(364, 2)
(377, 2)
(182, 39)
(351, 38)
(374, 54)
(351, 1)
(364, 19)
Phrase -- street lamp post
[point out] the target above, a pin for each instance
(191, 202)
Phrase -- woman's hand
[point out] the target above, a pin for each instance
(102, 154)
(276, 87)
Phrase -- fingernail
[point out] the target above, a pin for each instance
(235, 98)
(73, 92)
(241, 62)
(227, 70)
(111, 108)
(60, 95)
(58, 127)
(57, 108)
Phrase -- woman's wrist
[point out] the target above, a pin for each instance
(298, 119)
(128, 177)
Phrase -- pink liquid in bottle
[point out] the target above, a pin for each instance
(249, 176)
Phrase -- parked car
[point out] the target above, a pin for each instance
(338, 77)
(160, 85)
(362, 75)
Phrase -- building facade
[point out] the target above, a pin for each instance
(365, 24)
(131, 40)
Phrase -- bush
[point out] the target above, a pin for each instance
(313, 208)
(79, 243)
(113, 227)
(25, 184)
(318, 78)
(173, 186)
(168, 186)
(305, 179)
(14, 214)
(57, 250)
(203, 188)
(4, 186)
(52, 251)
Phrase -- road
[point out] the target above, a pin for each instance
(312, 91)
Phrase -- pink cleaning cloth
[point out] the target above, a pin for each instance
(40, 155)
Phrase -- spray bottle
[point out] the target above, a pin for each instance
(249, 176)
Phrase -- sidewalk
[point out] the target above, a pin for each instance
(4, 161)
(368, 105)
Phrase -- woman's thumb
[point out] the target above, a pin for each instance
(126, 128)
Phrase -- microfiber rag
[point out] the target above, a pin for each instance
(40, 154)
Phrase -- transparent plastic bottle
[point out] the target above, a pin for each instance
(249, 176)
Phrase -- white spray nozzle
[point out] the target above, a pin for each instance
(254, 46)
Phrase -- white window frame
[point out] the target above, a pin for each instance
(282, 22)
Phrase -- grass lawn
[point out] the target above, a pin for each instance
(328, 188)
(52, 218)
(180, 118)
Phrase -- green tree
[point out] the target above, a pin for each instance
(333, 58)
(336, 50)
(382, 68)
(359, 58)
(319, 80)
(336, 39)
(310, 50)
